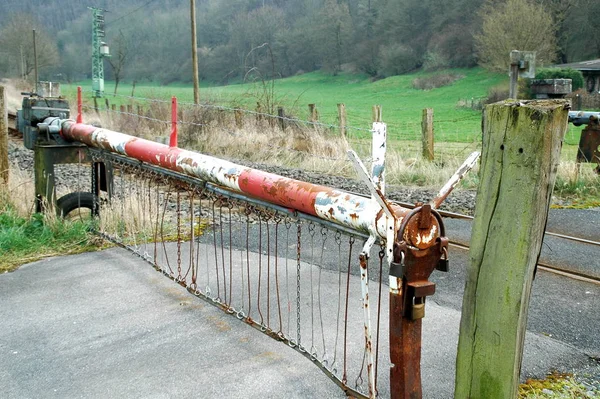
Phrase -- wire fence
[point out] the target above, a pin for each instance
(282, 140)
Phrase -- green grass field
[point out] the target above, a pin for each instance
(402, 105)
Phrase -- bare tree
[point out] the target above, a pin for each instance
(514, 25)
(117, 61)
(16, 42)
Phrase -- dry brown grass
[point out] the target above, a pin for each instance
(215, 131)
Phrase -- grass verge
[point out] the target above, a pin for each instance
(26, 236)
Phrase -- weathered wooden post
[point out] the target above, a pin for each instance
(376, 113)
(342, 118)
(4, 166)
(113, 107)
(521, 150)
(281, 117)
(129, 108)
(427, 134)
(238, 118)
(313, 113)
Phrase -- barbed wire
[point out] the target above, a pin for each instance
(222, 128)
(246, 111)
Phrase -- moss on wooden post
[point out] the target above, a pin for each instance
(521, 149)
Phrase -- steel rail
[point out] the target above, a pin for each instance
(453, 215)
(547, 268)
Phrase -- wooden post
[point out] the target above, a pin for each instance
(113, 107)
(106, 103)
(258, 112)
(238, 118)
(342, 118)
(313, 113)
(281, 115)
(3, 138)
(376, 113)
(130, 108)
(195, 77)
(96, 105)
(427, 134)
(521, 150)
(139, 110)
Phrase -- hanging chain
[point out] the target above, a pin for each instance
(299, 243)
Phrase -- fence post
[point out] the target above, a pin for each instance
(96, 106)
(427, 134)
(238, 118)
(313, 113)
(129, 108)
(122, 109)
(139, 110)
(376, 113)
(521, 151)
(281, 115)
(342, 118)
(3, 138)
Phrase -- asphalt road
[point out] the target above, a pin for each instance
(106, 324)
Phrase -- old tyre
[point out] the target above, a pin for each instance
(77, 205)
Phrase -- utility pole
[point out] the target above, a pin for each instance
(35, 64)
(194, 52)
(99, 51)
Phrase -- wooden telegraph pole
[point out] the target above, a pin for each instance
(521, 151)
(194, 52)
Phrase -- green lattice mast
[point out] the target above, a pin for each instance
(99, 51)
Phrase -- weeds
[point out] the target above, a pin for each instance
(26, 236)
(556, 385)
(435, 81)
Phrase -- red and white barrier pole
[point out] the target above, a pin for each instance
(338, 206)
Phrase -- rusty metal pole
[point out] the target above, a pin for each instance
(409, 286)
(173, 137)
(79, 105)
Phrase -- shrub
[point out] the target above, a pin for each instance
(497, 93)
(562, 73)
(435, 81)
(397, 59)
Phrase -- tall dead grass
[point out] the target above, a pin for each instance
(254, 138)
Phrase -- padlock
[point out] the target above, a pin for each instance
(443, 264)
(418, 309)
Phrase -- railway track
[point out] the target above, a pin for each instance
(562, 271)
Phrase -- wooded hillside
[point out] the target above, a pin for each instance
(150, 40)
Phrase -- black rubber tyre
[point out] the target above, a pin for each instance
(72, 201)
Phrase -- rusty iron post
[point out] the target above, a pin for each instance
(79, 105)
(413, 263)
(173, 136)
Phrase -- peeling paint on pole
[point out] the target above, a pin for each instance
(350, 210)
